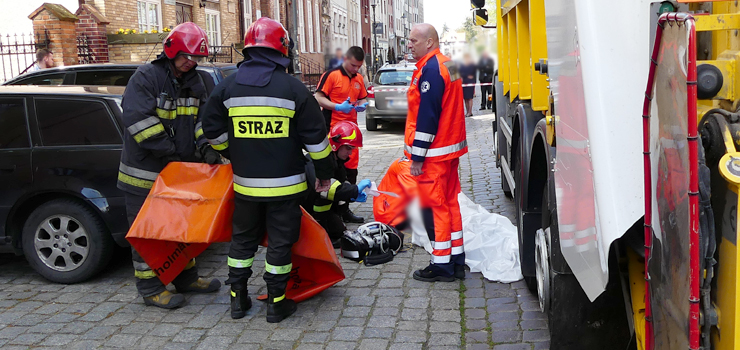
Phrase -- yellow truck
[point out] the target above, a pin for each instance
(617, 134)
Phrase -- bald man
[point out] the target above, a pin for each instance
(434, 141)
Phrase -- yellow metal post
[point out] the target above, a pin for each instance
(503, 49)
(540, 93)
(525, 62)
(513, 56)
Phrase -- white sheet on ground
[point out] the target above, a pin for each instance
(490, 240)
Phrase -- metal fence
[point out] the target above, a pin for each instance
(310, 72)
(85, 54)
(18, 53)
(223, 54)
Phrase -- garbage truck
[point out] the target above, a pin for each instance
(616, 133)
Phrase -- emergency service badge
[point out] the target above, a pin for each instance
(202, 46)
(357, 85)
(424, 86)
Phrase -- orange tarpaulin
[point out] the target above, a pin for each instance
(191, 206)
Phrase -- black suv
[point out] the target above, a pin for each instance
(113, 74)
(59, 154)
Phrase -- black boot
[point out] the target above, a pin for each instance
(433, 273)
(460, 272)
(240, 302)
(350, 217)
(280, 309)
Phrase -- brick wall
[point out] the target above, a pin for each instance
(61, 33)
(120, 53)
(91, 25)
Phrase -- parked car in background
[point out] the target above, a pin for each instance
(387, 95)
(110, 74)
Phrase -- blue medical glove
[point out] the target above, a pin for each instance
(363, 185)
(362, 197)
(344, 107)
(361, 108)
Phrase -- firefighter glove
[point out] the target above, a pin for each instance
(361, 197)
(363, 185)
(344, 107)
(210, 155)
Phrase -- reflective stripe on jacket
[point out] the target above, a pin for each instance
(435, 124)
(264, 130)
(160, 116)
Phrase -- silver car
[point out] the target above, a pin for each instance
(387, 95)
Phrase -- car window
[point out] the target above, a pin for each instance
(45, 79)
(228, 71)
(394, 77)
(13, 123)
(113, 77)
(75, 123)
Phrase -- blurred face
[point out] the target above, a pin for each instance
(49, 60)
(351, 65)
(418, 44)
(339, 53)
(344, 151)
(184, 63)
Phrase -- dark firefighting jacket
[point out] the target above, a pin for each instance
(264, 129)
(340, 191)
(160, 116)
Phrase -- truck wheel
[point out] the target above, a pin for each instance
(371, 124)
(66, 242)
(531, 281)
(601, 324)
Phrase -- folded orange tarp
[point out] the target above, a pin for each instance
(191, 206)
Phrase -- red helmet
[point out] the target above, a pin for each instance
(269, 33)
(345, 133)
(187, 38)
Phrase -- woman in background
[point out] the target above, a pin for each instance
(467, 72)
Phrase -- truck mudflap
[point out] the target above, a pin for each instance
(671, 188)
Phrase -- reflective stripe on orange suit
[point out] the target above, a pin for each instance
(398, 179)
(435, 135)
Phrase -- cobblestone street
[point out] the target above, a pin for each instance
(380, 307)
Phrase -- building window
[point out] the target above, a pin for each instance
(309, 14)
(301, 25)
(317, 26)
(213, 27)
(276, 10)
(183, 13)
(150, 15)
(247, 14)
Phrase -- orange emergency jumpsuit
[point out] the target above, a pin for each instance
(389, 209)
(435, 135)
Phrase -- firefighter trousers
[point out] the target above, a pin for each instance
(281, 220)
(147, 282)
(439, 186)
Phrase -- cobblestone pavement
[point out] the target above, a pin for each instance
(379, 307)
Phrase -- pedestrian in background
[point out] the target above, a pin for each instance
(44, 59)
(162, 124)
(434, 141)
(337, 60)
(262, 118)
(467, 72)
(485, 77)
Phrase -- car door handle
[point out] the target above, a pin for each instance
(7, 169)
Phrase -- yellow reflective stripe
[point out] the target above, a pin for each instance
(240, 263)
(165, 114)
(187, 110)
(233, 294)
(275, 300)
(220, 147)
(144, 274)
(278, 270)
(149, 132)
(270, 191)
(190, 264)
(333, 190)
(321, 155)
(261, 111)
(130, 180)
(198, 133)
(321, 208)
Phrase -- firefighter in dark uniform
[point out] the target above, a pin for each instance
(160, 114)
(262, 118)
(325, 206)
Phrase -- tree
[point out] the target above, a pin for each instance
(470, 29)
(445, 29)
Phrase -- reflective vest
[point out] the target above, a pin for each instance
(264, 130)
(435, 124)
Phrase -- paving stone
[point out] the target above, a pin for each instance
(340, 345)
(536, 335)
(471, 313)
(506, 336)
(347, 333)
(476, 337)
(533, 324)
(361, 301)
(382, 321)
(356, 311)
(410, 337)
(477, 346)
(315, 337)
(405, 346)
(59, 340)
(254, 336)
(385, 333)
(474, 325)
(189, 335)
(373, 344)
(99, 332)
(28, 339)
(416, 303)
(215, 342)
(123, 341)
(415, 315)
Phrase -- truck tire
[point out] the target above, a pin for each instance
(66, 242)
(574, 321)
(531, 281)
(371, 124)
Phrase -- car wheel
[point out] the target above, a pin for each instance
(371, 124)
(66, 242)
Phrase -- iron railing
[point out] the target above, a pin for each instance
(85, 54)
(311, 72)
(223, 54)
(18, 52)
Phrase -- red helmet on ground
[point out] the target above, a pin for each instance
(186, 38)
(345, 133)
(269, 33)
